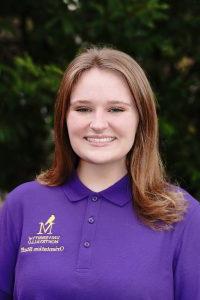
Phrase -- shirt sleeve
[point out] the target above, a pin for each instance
(187, 270)
(8, 252)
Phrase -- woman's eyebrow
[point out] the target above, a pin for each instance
(109, 102)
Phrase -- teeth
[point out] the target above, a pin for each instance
(100, 140)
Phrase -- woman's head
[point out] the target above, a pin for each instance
(110, 64)
(99, 74)
(102, 107)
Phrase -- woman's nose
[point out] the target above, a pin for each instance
(99, 122)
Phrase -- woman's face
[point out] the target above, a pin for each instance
(101, 106)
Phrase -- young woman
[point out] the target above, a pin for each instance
(103, 222)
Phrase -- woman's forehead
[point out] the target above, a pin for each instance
(105, 84)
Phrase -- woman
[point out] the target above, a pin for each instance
(103, 222)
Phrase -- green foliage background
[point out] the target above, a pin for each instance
(39, 38)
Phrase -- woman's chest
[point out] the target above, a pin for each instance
(97, 256)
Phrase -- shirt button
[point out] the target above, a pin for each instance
(91, 220)
(86, 244)
(94, 198)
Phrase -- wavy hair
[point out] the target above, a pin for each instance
(157, 202)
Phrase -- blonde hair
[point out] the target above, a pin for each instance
(158, 203)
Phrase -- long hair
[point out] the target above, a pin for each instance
(157, 202)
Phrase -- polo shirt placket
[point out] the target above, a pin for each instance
(88, 233)
(118, 194)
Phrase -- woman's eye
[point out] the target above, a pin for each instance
(116, 109)
(82, 109)
(85, 109)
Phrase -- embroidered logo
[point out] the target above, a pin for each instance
(47, 227)
(37, 243)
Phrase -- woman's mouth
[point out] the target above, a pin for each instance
(100, 141)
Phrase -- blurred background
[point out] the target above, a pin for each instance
(39, 38)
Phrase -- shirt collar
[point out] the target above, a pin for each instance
(119, 193)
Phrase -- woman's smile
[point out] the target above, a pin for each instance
(100, 142)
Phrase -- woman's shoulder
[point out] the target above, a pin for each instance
(192, 202)
(22, 189)
(27, 191)
(25, 187)
(192, 213)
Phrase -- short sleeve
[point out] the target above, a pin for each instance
(187, 270)
(8, 252)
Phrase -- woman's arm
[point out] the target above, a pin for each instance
(8, 251)
(187, 270)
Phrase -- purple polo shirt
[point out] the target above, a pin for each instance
(68, 242)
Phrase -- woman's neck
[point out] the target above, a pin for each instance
(99, 177)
